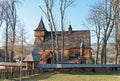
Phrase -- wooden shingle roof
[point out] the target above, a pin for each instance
(73, 40)
(32, 57)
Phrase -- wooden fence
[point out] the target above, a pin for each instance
(16, 74)
(14, 71)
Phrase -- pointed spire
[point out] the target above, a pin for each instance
(41, 26)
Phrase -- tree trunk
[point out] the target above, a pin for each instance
(57, 49)
(53, 48)
(98, 47)
(62, 36)
(117, 32)
(64, 4)
(116, 59)
(6, 46)
(103, 53)
(62, 54)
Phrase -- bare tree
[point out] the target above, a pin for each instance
(110, 15)
(103, 18)
(22, 40)
(64, 4)
(5, 19)
(9, 17)
(117, 31)
(96, 19)
(49, 4)
(2, 18)
(7, 37)
(13, 19)
(47, 14)
(12, 16)
(1, 12)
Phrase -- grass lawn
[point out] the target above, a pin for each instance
(83, 76)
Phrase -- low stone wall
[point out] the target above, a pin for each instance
(79, 67)
(70, 70)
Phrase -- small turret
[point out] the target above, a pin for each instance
(70, 30)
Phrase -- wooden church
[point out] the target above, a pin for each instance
(77, 47)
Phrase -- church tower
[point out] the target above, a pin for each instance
(39, 33)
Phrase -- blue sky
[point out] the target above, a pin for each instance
(30, 14)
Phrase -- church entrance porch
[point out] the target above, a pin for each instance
(49, 61)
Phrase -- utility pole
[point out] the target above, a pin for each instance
(21, 62)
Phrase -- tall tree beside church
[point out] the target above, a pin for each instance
(64, 5)
(12, 4)
(9, 13)
(7, 38)
(1, 12)
(96, 19)
(117, 37)
(49, 5)
(107, 13)
(110, 15)
(13, 19)
(6, 20)
(3, 18)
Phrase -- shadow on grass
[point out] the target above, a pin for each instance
(46, 75)
(96, 73)
(35, 77)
